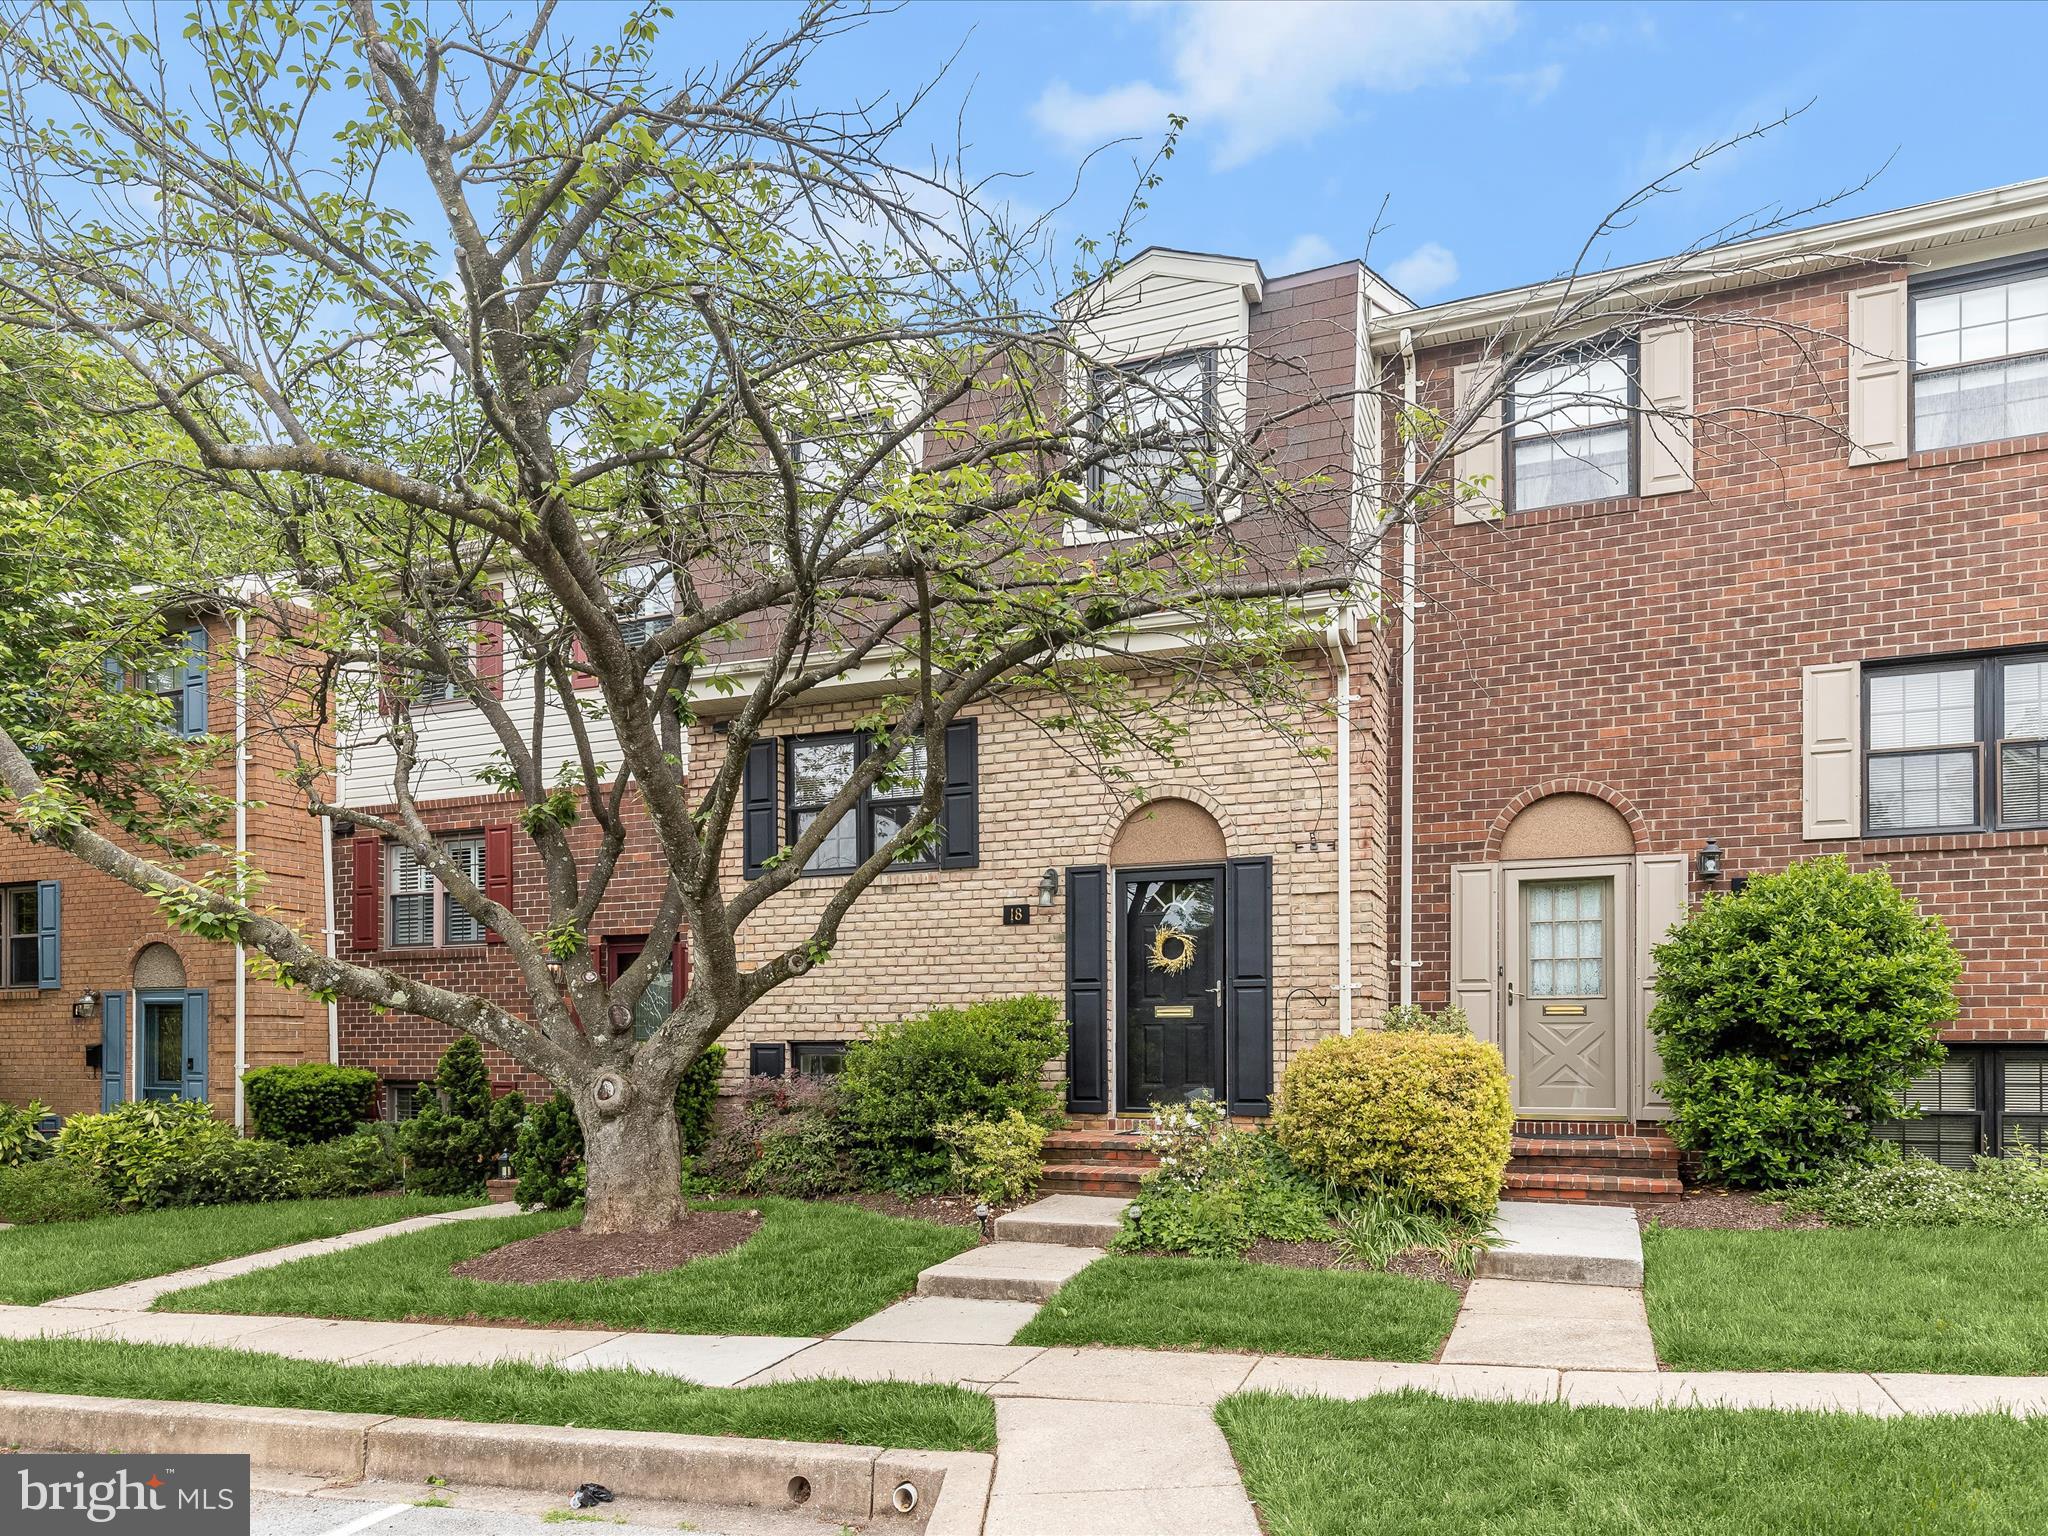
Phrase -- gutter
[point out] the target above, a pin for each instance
(241, 855)
(1410, 559)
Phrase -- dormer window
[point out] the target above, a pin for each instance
(1171, 403)
(1569, 426)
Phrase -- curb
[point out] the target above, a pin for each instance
(946, 1491)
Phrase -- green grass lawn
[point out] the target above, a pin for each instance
(1150, 1303)
(903, 1415)
(64, 1258)
(812, 1268)
(1967, 1300)
(1412, 1465)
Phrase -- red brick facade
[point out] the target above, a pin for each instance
(1649, 651)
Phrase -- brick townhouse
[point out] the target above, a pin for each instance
(101, 1002)
(1789, 614)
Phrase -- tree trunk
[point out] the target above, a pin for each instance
(633, 1155)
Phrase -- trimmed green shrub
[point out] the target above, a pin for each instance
(1792, 1015)
(135, 1150)
(50, 1189)
(233, 1173)
(1427, 1114)
(697, 1097)
(1218, 1190)
(783, 1139)
(548, 1155)
(1413, 1019)
(309, 1103)
(909, 1078)
(20, 1141)
(364, 1162)
(1884, 1189)
(999, 1161)
(452, 1146)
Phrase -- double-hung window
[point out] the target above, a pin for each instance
(819, 767)
(1956, 746)
(423, 915)
(18, 934)
(830, 462)
(1980, 359)
(1570, 430)
(1976, 1101)
(646, 600)
(1170, 402)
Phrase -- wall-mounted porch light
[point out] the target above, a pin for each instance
(1710, 862)
(1048, 887)
(87, 1002)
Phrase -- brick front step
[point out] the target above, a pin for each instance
(1593, 1188)
(1092, 1179)
(1098, 1147)
(1647, 1156)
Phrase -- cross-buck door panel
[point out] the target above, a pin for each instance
(1567, 939)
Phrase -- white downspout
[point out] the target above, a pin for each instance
(1410, 558)
(327, 885)
(1334, 641)
(241, 854)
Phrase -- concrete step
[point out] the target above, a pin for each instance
(1007, 1271)
(1565, 1244)
(1115, 1180)
(1077, 1221)
(1584, 1187)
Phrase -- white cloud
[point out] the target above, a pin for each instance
(1535, 85)
(1426, 270)
(1254, 76)
(1307, 251)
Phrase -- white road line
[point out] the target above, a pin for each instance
(374, 1517)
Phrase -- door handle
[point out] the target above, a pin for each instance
(1511, 994)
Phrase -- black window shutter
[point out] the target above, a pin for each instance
(960, 811)
(1088, 989)
(1248, 898)
(766, 1060)
(759, 816)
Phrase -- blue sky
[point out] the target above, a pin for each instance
(1496, 135)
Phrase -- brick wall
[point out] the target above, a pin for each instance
(1655, 647)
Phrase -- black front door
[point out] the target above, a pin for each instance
(1172, 997)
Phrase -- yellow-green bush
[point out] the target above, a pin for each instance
(1425, 1113)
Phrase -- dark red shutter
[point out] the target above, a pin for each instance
(490, 653)
(581, 657)
(497, 874)
(679, 971)
(366, 910)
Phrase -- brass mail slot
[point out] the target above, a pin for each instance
(1567, 1010)
(1187, 1011)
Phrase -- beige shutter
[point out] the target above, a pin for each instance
(1479, 452)
(1475, 946)
(1664, 358)
(1830, 732)
(1877, 374)
(1660, 903)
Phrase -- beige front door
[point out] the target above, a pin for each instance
(1566, 943)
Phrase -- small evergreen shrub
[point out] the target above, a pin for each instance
(909, 1078)
(697, 1097)
(452, 1146)
(1427, 1114)
(136, 1150)
(233, 1173)
(50, 1189)
(1883, 1189)
(20, 1141)
(548, 1155)
(1218, 1190)
(1791, 1016)
(782, 1138)
(999, 1161)
(364, 1162)
(308, 1103)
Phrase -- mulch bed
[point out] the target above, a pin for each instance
(1725, 1210)
(1416, 1265)
(570, 1253)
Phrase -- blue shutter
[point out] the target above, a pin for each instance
(49, 934)
(194, 1086)
(1087, 989)
(1248, 905)
(192, 717)
(960, 810)
(759, 814)
(113, 1050)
